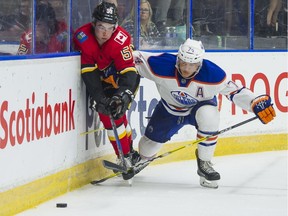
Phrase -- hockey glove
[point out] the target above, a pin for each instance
(102, 106)
(119, 103)
(263, 108)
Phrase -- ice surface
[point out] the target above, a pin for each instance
(250, 185)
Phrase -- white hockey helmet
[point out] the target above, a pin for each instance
(191, 51)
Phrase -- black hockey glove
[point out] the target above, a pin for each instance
(263, 108)
(119, 103)
(102, 106)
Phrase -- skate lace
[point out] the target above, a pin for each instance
(207, 166)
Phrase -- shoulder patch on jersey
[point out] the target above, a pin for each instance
(81, 37)
(121, 37)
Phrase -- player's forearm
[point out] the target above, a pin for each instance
(243, 98)
(93, 85)
(130, 80)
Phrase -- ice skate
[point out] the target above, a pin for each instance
(129, 174)
(130, 159)
(208, 176)
(134, 156)
(140, 165)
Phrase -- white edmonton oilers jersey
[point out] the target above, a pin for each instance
(180, 95)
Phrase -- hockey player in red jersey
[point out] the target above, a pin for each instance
(51, 34)
(109, 73)
(188, 85)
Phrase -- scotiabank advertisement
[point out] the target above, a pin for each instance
(39, 117)
(46, 127)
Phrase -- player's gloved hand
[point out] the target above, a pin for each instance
(263, 108)
(102, 106)
(119, 103)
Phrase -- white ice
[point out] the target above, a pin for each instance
(251, 185)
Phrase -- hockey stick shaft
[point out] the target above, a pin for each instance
(118, 143)
(198, 141)
(95, 182)
(91, 131)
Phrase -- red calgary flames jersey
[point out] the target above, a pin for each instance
(117, 50)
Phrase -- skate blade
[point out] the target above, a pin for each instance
(209, 184)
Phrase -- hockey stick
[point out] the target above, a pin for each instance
(95, 182)
(119, 146)
(92, 131)
(197, 141)
(177, 149)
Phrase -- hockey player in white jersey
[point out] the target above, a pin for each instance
(188, 86)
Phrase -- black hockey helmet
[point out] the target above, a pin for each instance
(105, 12)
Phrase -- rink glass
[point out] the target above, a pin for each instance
(220, 25)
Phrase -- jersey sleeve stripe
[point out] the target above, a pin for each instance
(128, 69)
(87, 69)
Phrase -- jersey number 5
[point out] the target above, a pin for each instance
(126, 53)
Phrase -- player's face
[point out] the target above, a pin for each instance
(103, 31)
(188, 69)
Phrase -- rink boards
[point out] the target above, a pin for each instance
(44, 111)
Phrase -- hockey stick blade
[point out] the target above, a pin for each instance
(117, 169)
(113, 166)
